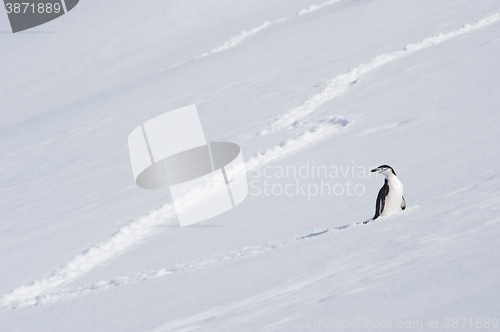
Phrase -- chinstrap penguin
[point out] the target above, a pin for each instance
(390, 199)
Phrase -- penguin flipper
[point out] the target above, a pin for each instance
(403, 203)
(381, 200)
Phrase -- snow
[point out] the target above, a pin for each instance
(347, 85)
(340, 84)
(246, 34)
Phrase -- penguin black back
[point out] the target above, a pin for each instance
(383, 192)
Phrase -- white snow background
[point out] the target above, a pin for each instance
(347, 83)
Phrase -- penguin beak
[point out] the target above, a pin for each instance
(375, 170)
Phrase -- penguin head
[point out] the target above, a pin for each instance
(384, 169)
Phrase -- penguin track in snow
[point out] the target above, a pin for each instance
(245, 34)
(340, 84)
(63, 295)
(147, 226)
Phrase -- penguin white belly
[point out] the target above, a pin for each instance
(393, 199)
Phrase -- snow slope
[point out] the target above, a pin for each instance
(108, 43)
(346, 84)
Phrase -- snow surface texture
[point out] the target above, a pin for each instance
(275, 260)
(248, 33)
(340, 84)
(245, 34)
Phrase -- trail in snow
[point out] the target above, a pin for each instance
(236, 40)
(239, 38)
(343, 82)
(314, 8)
(142, 228)
(123, 239)
(245, 34)
(318, 132)
(146, 226)
(68, 294)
